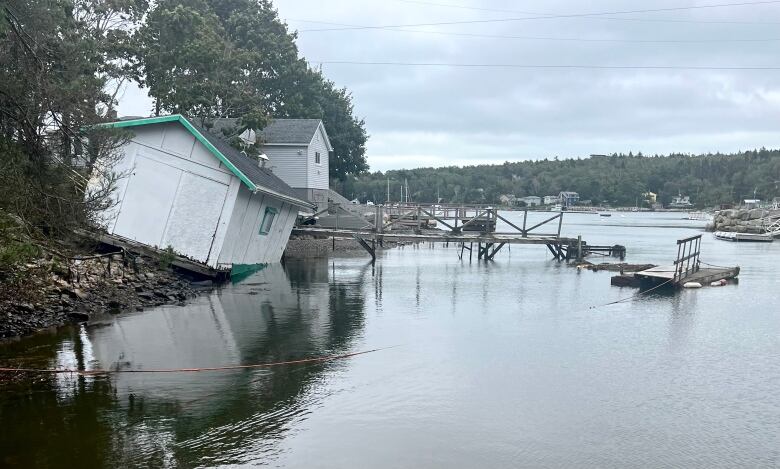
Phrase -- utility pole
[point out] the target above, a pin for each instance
(388, 191)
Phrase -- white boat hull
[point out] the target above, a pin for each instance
(749, 237)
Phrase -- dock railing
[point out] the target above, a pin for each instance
(459, 218)
(687, 262)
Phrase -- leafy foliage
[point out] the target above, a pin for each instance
(616, 180)
(58, 61)
(235, 58)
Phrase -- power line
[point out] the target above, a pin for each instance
(551, 66)
(550, 16)
(550, 38)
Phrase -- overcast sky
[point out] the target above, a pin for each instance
(446, 115)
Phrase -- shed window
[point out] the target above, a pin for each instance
(317, 157)
(268, 220)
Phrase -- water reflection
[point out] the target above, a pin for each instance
(186, 419)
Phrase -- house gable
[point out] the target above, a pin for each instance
(321, 133)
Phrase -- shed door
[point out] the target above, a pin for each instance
(151, 188)
(195, 216)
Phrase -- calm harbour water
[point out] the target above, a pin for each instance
(512, 363)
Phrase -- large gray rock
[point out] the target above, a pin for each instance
(755, 214)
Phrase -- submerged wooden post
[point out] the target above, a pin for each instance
(579, 247)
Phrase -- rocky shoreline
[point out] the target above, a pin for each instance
(56, 291)
(743, 220)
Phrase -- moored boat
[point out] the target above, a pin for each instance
(749, 237)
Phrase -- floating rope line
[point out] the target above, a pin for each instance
(634, 295)
(192, 370)
(713, 265)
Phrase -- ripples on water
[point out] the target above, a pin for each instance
(498, 364)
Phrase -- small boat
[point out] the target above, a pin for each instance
(556, 208)
(749, 237)
(605, 214)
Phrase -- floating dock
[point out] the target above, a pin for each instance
(686, 268)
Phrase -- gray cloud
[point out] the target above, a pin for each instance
(442, 116)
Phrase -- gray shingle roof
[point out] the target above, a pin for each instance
(289, 131)
(279, 131)
(261, 177)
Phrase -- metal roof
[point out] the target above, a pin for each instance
(257, 179)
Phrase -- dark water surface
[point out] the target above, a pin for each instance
(504, 364)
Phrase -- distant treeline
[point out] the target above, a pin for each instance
(618, 179)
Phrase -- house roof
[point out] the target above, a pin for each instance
(257, 179)
(289, 131)
(279, 131)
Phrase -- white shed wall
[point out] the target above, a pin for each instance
(288, 163)
(176, 193)
(244, 245)
(170, 194)
(318, 173)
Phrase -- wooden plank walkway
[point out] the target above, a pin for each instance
(436, 236)
(465, 225)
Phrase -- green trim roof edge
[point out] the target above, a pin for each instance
(195, 133)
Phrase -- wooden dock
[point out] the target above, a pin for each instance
(465, 225)
(705, 276)
(686, 268)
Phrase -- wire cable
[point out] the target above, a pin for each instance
(550, 66)
(550, 38)
(551, 16)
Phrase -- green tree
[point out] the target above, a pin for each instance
(235, 58)
(59, 62)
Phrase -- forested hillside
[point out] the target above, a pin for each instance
(617, 179)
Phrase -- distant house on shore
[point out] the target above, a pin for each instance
(187, 189)
(531, 200)
(507, 199)
(681, 201)
(298, 151)
(568, 199)
(551, 199)
(751, 203)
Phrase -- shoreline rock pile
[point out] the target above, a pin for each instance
(743, 220)
(58, 292)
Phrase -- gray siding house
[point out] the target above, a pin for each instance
(298, 151)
